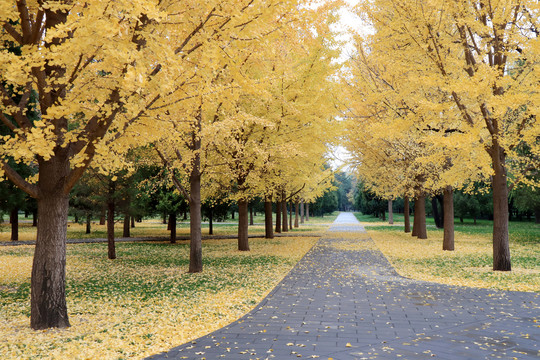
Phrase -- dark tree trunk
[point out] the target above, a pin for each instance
(195, 217)
(284, 225)
(251, 215)
(103, 216)
(185, 215)
(537, 215)
(420, 214)
(14, 219)
(448, 239)
(110, 228)
(406, 214)
(268, 229)
(172, 227)
(211, 221)
(243, 240)
(132, 219)
(290, 215)
(169, 223)
(383, 215)
(278, 216)
(501, 248)
(390, 212)
(307, 212)
(302, 212)
(164, 221)
(232, 214)
(296, 208)
(34, 217)
(436, 216)
(48, 296)
(88, 223)
(126, 232)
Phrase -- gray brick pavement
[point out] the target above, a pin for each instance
(351, 304)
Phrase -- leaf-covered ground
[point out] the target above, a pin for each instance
(471, 262)
(144, 302)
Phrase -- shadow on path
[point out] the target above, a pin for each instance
(344, 300)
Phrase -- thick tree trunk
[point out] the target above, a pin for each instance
(48, 296)
(251, 215)
(14, 219)
(420, 214)
(111, 246)
(34, 217)
(88, 223)
(406, 215)
(302, 212)
(501, 248)
(127, 226)
(390, 212)
(296, 208)
(243, 240)
(268, 229)
(132, 218)
(448, 239)
(284, 225)
(278, 216)
(307, 212)
(172, 227)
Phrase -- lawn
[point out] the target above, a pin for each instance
(471, 262)
(155, 228)
(144, 302)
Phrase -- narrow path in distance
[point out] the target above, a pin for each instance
(344, 300)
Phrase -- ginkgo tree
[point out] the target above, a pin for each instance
(481, 58)
(99, 68)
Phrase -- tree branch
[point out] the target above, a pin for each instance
(18, 180)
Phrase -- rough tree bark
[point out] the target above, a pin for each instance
(243, 240)
(195, 245)
(268, 228)
(406, 214)
(448, 238)
(420, 217)
(501, 248)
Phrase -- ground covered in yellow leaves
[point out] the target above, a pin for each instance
(144, 302)
(471, 262)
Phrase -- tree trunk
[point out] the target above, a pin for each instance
(164, 220)
(172, 226)
(390, 212)
(296, 208)
(232, 214)
(278, 216)
(243, 240)
(48, 295)
(110, 228)
(420, 214)
(126, 233)
(501, 248)
(302, 212)
(132, 219)
(307, 212)
(448, 239)
(284, 225)
(195, 252)
(251, 215)
(34, 217)
(268, 229)
(88, 223)
(290, 215)
(537, 215)
(406, 215)
(103, 216)
(436, 215)
(14, 219)
(211, 221)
